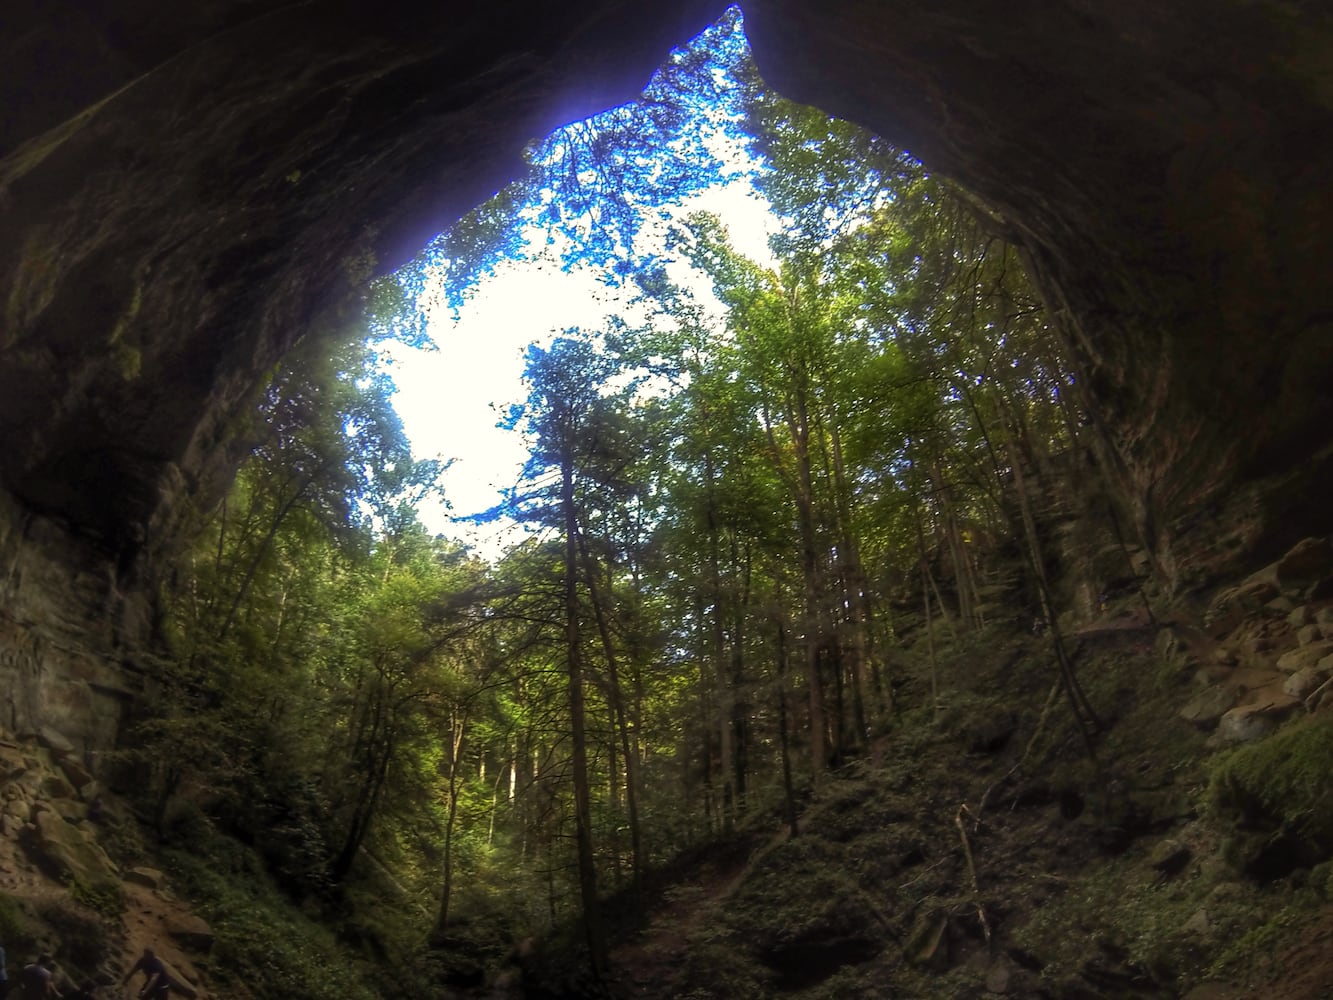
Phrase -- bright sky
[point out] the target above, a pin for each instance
(451, 399)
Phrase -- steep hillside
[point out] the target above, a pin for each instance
(978, 849)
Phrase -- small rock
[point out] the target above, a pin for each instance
(1199, 925)
(150, 877)
(1205, 709)
(1170, 858)
(998, 978)
(1300, 616)
(1210, 675)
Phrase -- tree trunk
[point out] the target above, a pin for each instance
(617, 699)
(592, 923)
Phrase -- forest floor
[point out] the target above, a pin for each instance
(982, 853)
(973, 849)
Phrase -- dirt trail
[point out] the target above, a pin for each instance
(146, 922)
(652, 962)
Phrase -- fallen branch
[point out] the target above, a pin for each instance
(1027, 751)
(972, 869)
(1312, 699)
(924, 872)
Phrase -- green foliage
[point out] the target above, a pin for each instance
(754, 485)
(106, 899)
(16, 930)
(260, 942)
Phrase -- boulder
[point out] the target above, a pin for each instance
(1321, 591)
(55, 742)
(54, 786)
(1257, 717)
(1248, 679)
(191, 932)
(1241, 725)
(1304, 656)
(70, 810)
(12, 763)
(64, 851)
(928, 943)
(76, 774)
(1303, 682)
(149, 877)
(1215, 673)
(1198, 927)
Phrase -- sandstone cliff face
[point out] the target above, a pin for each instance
(186, 189)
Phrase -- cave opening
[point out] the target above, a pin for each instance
(300, 680)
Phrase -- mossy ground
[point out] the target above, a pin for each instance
(1097, 878)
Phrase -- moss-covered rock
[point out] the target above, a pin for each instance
(1277, 791)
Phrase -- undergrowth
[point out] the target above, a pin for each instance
(261, 941)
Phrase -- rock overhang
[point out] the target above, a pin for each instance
(186, 192)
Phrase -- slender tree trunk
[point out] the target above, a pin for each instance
(788, 791)
(1084, 714)
(592, 923)
(853, 586)
(727, 805)
(930, 630)
(458, 729)
(617, 700)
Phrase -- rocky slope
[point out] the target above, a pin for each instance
(60, 890)
(979, 851)
(974, 849)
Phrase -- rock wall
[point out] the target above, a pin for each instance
(186, 189)
(64, 665)
(1163, 165)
